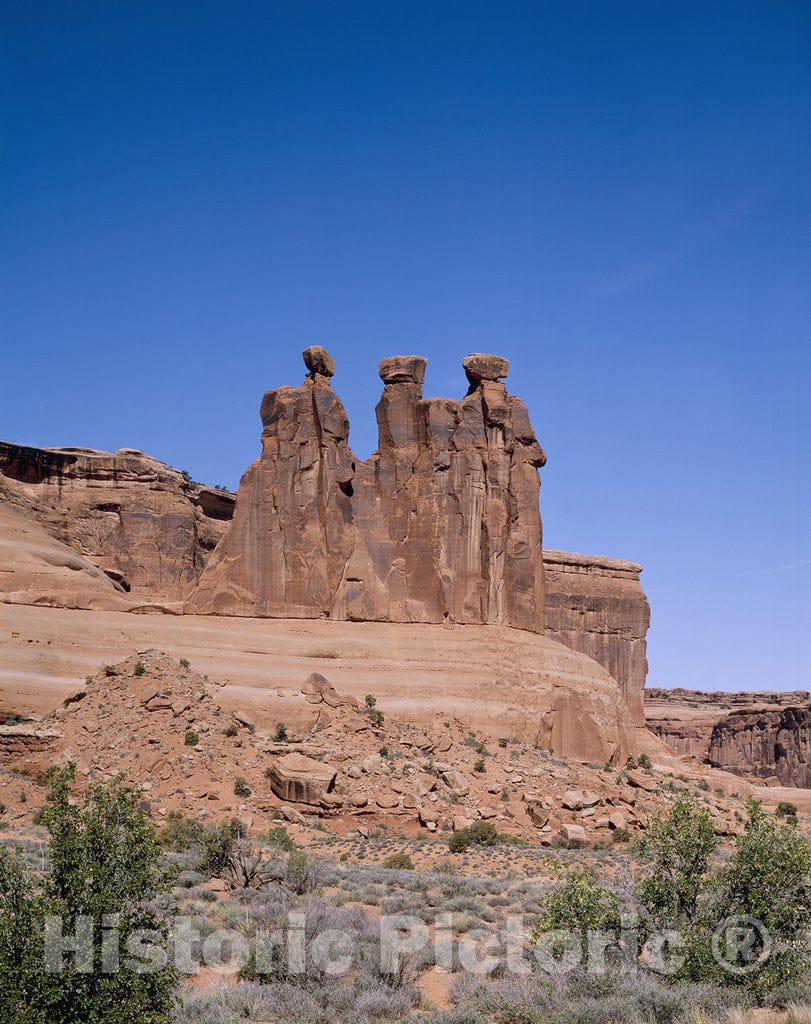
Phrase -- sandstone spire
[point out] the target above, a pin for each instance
(441, 523)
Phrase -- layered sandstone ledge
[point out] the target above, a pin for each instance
(765, 734)
(597, 606)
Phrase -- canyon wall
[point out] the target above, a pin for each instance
(764, 734)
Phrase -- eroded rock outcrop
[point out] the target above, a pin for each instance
(141, 522)
(440, 524)
(597, 606)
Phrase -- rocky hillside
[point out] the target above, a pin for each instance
(348, 764)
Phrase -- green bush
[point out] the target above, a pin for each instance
(578, 904)
(217, 844)
(402, 861)
(768, 879)
(480, 766)
(191, 739)
(241, 788)
(278, 836)
(644, 761)
(185, 663)
(480, 833)
(280, 736)
(103, 857)
(139, 668)
(786, 809)
(179, 833)
(232, 729)
(297, 872)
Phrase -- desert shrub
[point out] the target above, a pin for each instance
(179, 833)
(217, 844)
(241, 788)
(786, 809)
(139, 668)
(401, 861)
(480, 833)
(103, 858)
(277, 836)
(678, 846)
(644, 761)
(479, 766)
(303, 874)
(280, 736)
(231, 730)
(769, 879)
(502, 742)
(185, 663)
(191, 739)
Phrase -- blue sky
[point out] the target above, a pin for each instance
(613, 195)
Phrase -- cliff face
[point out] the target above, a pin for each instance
(597, 606)
(137, 519)
(765, 734)
(441, 524)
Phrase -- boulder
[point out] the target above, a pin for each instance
(456, 782)
(577, 799)
(318, 360)
(638, 779)
(574, 837)
(402, 369)
(300, 779)
(480, 366)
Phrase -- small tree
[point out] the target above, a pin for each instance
(678, 846)
(20, 939)
(579, 904)
(103, 866)
(769, 879)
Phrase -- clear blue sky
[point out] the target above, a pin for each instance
(614, 195)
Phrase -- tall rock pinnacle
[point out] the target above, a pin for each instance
(440, 524)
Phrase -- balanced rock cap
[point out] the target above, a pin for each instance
(403, 369)
(481, 366)
(318, 360)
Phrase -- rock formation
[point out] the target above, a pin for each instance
(141, 522)
(597, 606)
(441, 524)
(765, 734)
(70, 519)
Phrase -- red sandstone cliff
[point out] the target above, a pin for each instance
(764, 734)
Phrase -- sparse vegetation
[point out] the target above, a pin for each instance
(241, 788)
(280, 735)
(191, 739)
(139, 669)
(401, 861)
